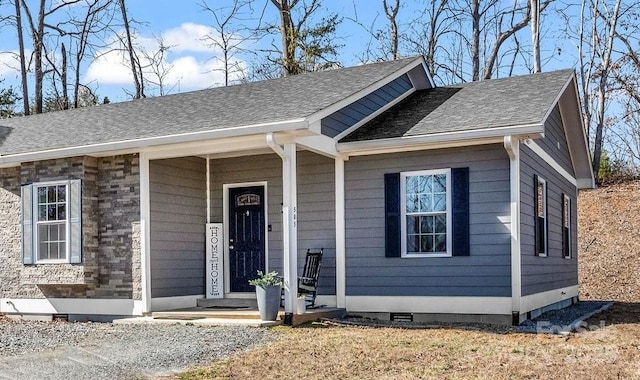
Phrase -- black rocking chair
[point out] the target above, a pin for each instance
(308, 282)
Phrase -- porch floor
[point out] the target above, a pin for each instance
(241, 316)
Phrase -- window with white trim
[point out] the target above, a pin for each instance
(566, 226)
(426, 213)
(540, 216)
(52, 222)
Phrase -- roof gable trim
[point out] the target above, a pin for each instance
(445, 139)
(354, 97)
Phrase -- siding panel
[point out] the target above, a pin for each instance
(370, 273)
(350, 115)
(316, 205)
(178, 212)
(555, 141)
(541, 274)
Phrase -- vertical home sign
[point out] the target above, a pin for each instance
(214, 269)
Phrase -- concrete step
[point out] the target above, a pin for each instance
(227, 303)
(192, 314)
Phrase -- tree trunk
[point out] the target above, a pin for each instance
(392, 13)
(475, 41)
(63, 79)
(136, 80)
(38, 37)
(535, 34)
(23, 65)
(605, 67)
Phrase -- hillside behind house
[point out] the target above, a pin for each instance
(609, 243)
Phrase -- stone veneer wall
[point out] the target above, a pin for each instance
(110, 265)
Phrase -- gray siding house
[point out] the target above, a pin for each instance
(454, 203)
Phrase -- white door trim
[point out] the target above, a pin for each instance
(225, 219)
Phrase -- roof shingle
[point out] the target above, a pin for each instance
(205, 110)
(494, 103)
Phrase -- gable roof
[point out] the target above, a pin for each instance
(480, 111)
(498, 103)
(285, 100)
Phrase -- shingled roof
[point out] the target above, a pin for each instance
(513, 101)
(271, 101)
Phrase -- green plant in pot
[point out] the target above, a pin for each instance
(268, 290)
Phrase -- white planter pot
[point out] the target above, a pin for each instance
(301, 306)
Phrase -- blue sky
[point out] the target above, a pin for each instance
(182, 23)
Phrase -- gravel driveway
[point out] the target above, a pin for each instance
(62, 350)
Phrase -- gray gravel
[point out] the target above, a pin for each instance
(62, 350)
(565, 320)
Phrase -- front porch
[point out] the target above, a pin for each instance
(290, 195)
(242, 312)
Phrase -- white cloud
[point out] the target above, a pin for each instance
(188, 62)
(9, 64)
(189, 37)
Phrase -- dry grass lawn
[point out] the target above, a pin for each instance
(612, 352)
(609, 269)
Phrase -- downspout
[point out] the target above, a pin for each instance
(289, 223)
(512, 146)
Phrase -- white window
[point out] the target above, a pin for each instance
(541, 216)
(426, 213)
(51, 221)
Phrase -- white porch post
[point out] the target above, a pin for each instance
(145, 233)
(290, 226)
(340, 234)
(512, 146)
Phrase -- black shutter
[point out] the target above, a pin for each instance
(536, 219)
(460, 211)
(563, 221)
(392, 215)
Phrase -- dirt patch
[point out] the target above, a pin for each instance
(609, 243)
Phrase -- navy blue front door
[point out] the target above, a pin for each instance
(246, 236)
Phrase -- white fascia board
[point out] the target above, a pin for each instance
(320, 144)
(540, 152)
(557, 99)
(439, 140)
(578, 145)
(369, 89)
(136, 144)
(586, 183)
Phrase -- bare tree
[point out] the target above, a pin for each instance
(21, 53)
(229, 38)
(392, 13)
(535, 34)
(134, 62)
(155, 64)
(604, 57)
(37, 28)
(96, 19)
(304, 47)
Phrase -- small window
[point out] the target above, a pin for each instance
(52, 222)
(541, 216)
(426, 213)
(566, 226)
